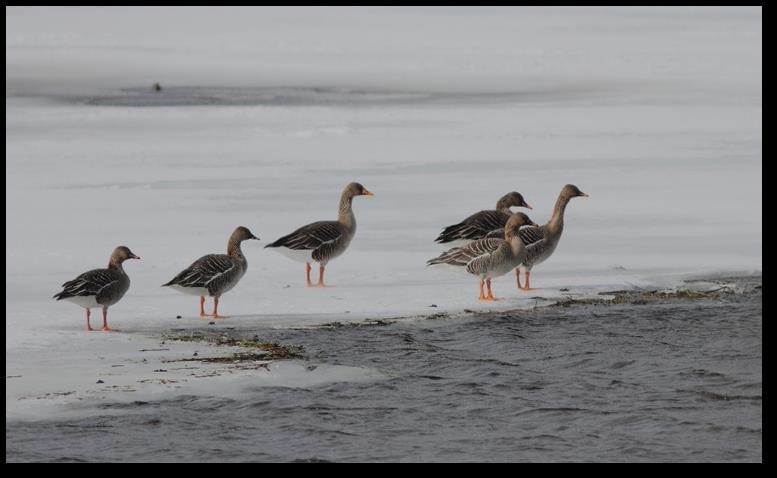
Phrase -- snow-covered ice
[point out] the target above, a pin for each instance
(655, 112)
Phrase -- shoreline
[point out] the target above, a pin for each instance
(207, 360)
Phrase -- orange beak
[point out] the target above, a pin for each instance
(527, 206)
(367, 193)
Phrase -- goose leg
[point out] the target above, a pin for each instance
(482, 295)
(526, 284)
(320, 276)
(216, 310)
(307, 267)
(490, 296)
(202, 306)
(88, 314)
(105, 321)
(518, 276)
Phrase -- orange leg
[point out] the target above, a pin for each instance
(202, 306)
(105, 321)
(307, 267)
(490, 296)
(526, 284)
(216, 310)
(482, 295)
(518, 276)
(320, 276)
(88, 314)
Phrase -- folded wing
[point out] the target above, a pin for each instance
(474, 227)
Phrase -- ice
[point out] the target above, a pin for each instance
(269, 112)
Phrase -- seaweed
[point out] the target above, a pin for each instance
(269, 350)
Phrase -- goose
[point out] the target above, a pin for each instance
(481, 223)
(541, 241)
(215, 274)
(322, 241)
(490, 257)
(99, 287)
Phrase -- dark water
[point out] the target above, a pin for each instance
(325, 96)
(673, 381)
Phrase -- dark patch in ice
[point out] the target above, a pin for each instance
(326, 96)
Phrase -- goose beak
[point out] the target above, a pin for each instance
(526, 205)
(367, 193)
(532, 223)
(133, 256)
(583, 194)
(254, 237)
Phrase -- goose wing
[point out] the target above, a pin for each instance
(532, 235)
(321, 234)
(497, 233)
(474, 227)
(204, 271)
(96, 282)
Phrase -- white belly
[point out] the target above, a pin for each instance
(299, 255)
(87, 302)
(452, 268)
(201, 291)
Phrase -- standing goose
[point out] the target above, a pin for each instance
(322, 241)
(541, 241)
(215, 274)
(100, 287)
(481, 223)
(490, 257)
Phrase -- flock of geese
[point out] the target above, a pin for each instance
(489, 244)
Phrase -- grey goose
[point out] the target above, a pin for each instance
(99, 287)
(541, 241)
(323, 241)
(478, 225)
(489, 257)
(214, 274)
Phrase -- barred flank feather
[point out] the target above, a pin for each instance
(215, 272)
(462, 256)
